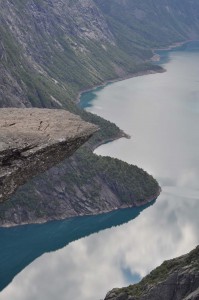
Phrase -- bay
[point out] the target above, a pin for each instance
(161, 113)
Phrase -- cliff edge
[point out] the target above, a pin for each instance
(176, 279)
(33, 140)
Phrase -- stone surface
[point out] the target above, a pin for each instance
(176, 279)
(33, 140)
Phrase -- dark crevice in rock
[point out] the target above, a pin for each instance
(26, 150)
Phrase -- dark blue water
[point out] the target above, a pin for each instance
(19, 246)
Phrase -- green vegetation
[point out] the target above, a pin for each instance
(48, 57)
(150, 23)
(47, 61)
(188, 261)
(130, 183)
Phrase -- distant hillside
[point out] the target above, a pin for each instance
(150, 23)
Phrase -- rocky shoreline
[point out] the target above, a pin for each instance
(94, 213)
(129, 76)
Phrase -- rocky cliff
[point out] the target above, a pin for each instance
(176, 279)
(33, 140)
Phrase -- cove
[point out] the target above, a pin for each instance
(161, 113)
(19, 246)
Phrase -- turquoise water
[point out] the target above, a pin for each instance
(161, 113)
(21, 245)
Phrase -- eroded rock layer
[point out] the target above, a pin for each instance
(34, 140)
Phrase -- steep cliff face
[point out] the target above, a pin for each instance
(34, 140)
(176, 279)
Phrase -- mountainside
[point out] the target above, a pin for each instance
(176, 279)
(52, 49)
(151, 23)
(49, 52)
(84, 185)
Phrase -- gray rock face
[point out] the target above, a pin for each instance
(34, 140)
(176, 279)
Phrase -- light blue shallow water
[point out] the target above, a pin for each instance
(161, 113)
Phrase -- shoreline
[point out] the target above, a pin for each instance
(129, 76)
(96, 213)
(174, 45)
(156, 56)
(136, 74)
(142, 202)
(110, 140)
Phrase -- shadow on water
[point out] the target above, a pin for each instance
(19, 246)
(87, 98)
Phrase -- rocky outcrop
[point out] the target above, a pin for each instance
(176, 279)
(34, 140)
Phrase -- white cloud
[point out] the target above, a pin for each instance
(88, 268)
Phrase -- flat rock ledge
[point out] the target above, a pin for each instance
(33, 140)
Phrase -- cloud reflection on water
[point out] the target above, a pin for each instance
(88, 268)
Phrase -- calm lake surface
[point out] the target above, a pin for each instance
(161, 113)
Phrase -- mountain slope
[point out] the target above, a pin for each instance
(176, 279)
(151, 23)
(52, 49)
